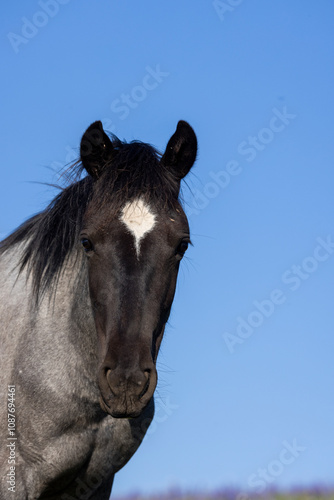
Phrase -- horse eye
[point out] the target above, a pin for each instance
(86, 244)
(182, 248)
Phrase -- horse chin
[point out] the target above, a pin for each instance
(121, 412)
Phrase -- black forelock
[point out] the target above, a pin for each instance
(135, 171)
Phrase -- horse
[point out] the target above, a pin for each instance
(86, 290)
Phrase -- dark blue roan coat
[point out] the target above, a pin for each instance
(85, 293)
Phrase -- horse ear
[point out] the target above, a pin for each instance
(96, 149)
(181, 150)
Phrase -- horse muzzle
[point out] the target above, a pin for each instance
(125, 393)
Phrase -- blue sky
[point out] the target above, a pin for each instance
(246, 395)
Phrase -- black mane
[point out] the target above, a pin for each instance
(49, 237)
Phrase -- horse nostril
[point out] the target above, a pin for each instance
(108, 377)
(147, 375)
(108, 374)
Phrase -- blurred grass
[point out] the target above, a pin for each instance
(315, 493)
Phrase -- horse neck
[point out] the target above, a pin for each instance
(68, 300)
(62, 321)
(50, 348)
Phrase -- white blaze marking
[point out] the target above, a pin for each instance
(139, 220)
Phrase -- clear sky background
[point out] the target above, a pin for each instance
(246, 367)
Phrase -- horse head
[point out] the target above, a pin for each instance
(134, 234)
